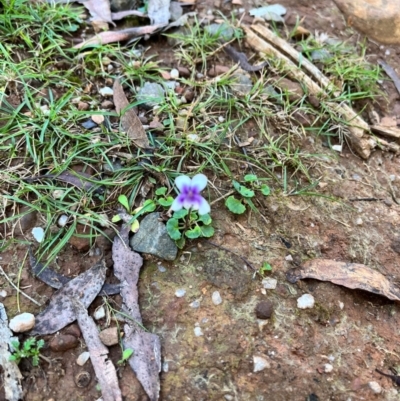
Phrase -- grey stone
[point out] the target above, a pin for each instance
(223, 31)
(153, 238)
(242, 84)
(150, 94)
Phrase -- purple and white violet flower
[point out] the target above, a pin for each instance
(189, 196)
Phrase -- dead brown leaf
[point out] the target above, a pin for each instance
(350, 275)
(102, 365)
(98, 9)
(104, 38)
(130, 122)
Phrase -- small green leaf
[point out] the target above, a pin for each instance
(234, 205)
(246, 192)
(127, 354)
(173, 228)
(149, 206)
(180, 243)
(116, 218)
(161, 191)
(180, 214)
(135, 226)
(265, 189)
(250, 178)
(194, 216)
(194, 233)
(236, 185)
(205, 219)
(207, 231)
(166, 201)
(266, 267)
(123, 200)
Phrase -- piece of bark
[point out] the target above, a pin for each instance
(350, 275)
(130, 122)
(386, 131)
(60, 311)
(102, 365)
(264, 40)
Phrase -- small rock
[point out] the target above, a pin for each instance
(82, 379)
(338, 148)
(195, 304)
(98, 118)
(216, 298)
(198, 332)
(199, 75)
(83, 358)
(328, 368)
(99, 313)
(23, 322)
(269, 283)
(174, 73)
(73, 329)
(38, 233)
(162, 269)
(217, 70)
(184, 72)
(150, 94)
(243, 83)
(264, 310)
(153, 238)
(180, 293)
(107, 104)
(289, 258)
(62, 220)
(63, 342)
(109, 336)
(305, 301)
(89, 124)
(106, 91)
(260, 364)
(82, 244)
(359, 221)
(83, 106)
(58, 193)
(106, 61)
(341, 305)
(165, 367)
(188, 94)
(375, 387)
(3, 294)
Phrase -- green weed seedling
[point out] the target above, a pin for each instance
(126, 354)
(263, 270)
(30, 349)
(188, 223)
(237, 206)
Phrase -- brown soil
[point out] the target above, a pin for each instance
(354, 331)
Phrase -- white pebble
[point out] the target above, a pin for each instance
(83, 358)
(58, 193)
(106, 91)
(198, 331)
(269, 283)
(328, 368)
(99, 313)
(305, 301)
(338, 148)
(62, 220)
(341, 305)
(180, 293)
(392, 177)
(260, 364)
(38, 233)
(216, 298)
(23, 322)
(162, 269)
(174, 73)
(289, 258)
(359, 221)
(3, 294)
(195, 304)
(165, 367)
(375, 387)
(221, 119)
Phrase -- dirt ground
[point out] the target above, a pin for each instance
(351, 330)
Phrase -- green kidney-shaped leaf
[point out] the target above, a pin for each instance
(166, 201)
(234, 205)
(123, 200)
(161, 191)
(205, 219)
(207, 231)
(180, 214)
(173, 229)
(265, 189)
(246, 192)
(194, 233)
(180, 243)
(116, 219)
(250, 178)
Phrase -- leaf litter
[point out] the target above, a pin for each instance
(146, 359)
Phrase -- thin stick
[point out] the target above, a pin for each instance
(222, 197)
(15, 287)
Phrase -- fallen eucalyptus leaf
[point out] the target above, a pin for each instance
(98, 9)
(130, 122)
(102, 365)
(350, 275)
(60, 312)
(273, 12)
(158, 11)
(146, 360)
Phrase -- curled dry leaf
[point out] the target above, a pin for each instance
(146, 359)
(104, 38)
(102, 365)
(350, 275)
(60, 311)
(10, 373)
(130, 122)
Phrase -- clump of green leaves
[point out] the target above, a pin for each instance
(30, 349)
(238, 206)
(189, 224)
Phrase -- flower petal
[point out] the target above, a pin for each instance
(204, 206)
(199, 181)
(177, 204)
(182, 181)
